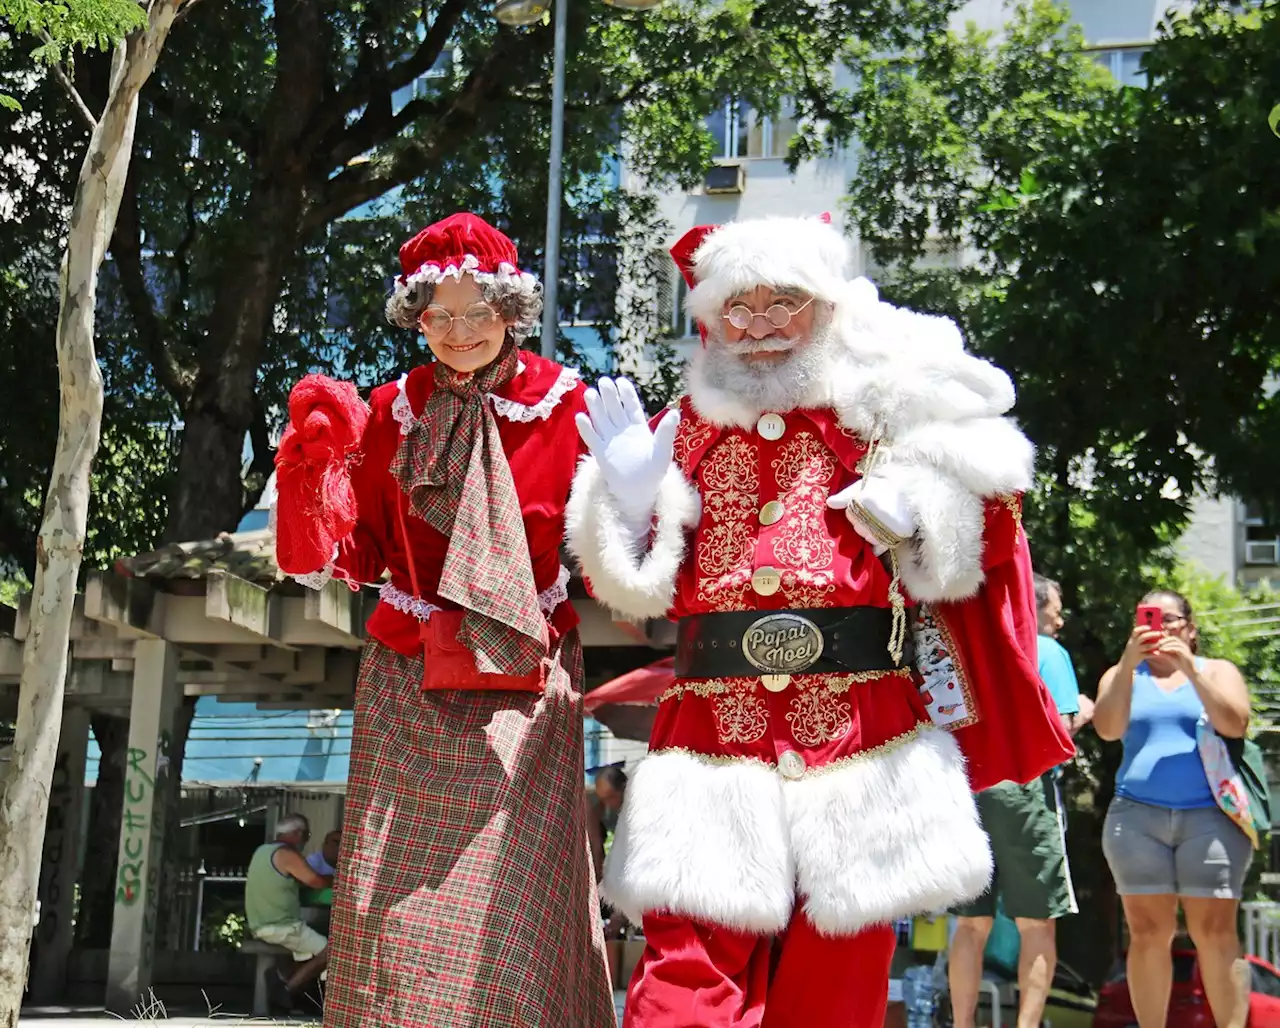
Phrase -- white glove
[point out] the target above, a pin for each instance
(880, 495)
(632, 459)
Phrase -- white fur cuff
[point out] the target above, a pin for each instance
(888, 836)
(706, 841)
(635, 586)
(988, 456)
(943, 561)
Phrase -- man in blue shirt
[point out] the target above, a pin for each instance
(1025, 823)
(1055, 663)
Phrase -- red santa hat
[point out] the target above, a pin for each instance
(462, 244)
(718, 262)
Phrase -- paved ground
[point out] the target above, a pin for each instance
(91, 1017)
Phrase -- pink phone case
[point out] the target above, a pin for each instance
(1151, 617)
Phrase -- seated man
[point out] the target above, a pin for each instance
(324, 861)
(273, 907)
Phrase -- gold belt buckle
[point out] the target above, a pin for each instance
(782, 645)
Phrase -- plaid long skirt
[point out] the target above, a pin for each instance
(465, 894)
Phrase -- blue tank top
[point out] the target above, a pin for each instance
(1161, 764)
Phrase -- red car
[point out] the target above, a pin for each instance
(1188, 1007)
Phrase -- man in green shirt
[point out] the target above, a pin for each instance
(273, 906)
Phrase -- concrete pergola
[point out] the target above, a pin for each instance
(213, 618)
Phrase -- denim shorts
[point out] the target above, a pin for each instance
(1156, 850)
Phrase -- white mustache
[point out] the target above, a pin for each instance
(769, 344)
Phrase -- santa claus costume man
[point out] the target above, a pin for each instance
(837, 496)
(466, 894)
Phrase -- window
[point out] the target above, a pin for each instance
(1265, 982)
(681, 322)
(1124, 63)
(739, 131)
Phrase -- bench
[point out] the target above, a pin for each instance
(267, 957)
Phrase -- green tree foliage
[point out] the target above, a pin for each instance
(44, 146)
(287, 150)
(1125, 245)
(61, 27)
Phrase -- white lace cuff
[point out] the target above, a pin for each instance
(548, 600)
(314, 580)
(553, 595)
(402, 601)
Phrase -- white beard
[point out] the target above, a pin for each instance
(728, 389)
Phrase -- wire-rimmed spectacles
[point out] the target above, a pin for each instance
(778, 315)
(436, 322)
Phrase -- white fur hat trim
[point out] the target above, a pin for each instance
(806, 254)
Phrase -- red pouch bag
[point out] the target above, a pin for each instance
(446, 663)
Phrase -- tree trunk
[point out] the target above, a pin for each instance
(209, 495)
(102, 843)
(24, 792)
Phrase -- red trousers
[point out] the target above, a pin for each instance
(695, 975)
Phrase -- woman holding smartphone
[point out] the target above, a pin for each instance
(1165, 838)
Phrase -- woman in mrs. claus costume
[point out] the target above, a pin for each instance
(466, 895)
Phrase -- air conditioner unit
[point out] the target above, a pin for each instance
(725, 178)
(1262, 551)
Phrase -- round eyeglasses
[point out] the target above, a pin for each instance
(778, 315)
(436, 322)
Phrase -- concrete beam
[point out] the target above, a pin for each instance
(129, 605)
(103, 647)
(22, 621)
(244, 604)
(597, 627)
(10, 659)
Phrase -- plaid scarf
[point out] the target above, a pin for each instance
(455, 473)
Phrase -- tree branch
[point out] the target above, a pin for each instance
(184, 11)
(369, 87)
(126, 248)
(77, 101)
(181, 254)
(359, 184)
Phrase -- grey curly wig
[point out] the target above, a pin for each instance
(518, 304)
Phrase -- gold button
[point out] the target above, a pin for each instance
(771, 513)
(766, 581)
(771, 426)
(775, 683)
(791, 764)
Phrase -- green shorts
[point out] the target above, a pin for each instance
(1028, 841)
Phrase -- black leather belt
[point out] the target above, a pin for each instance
(748, 643)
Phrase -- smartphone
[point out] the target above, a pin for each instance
(1151, 617)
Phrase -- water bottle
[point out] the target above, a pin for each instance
(917, 996)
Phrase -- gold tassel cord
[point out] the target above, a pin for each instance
(891, 541)
(898, 634)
